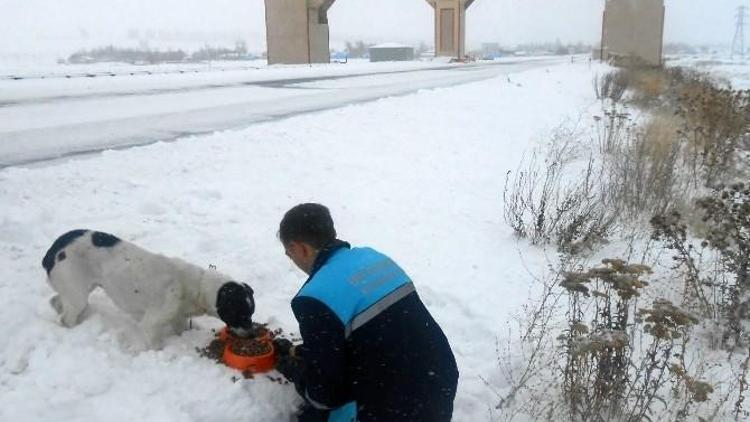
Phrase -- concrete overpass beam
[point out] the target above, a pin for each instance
(297, 31)
(633, 29)
(450, 27)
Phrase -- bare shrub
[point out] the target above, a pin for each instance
(723, 289)
(668, 327)
(529, 200)
(547, 204)
(648, 85)
(642, 170)
(699, 291)
(596, 345)
(724, 293)
(712, 120)
(612, 130)
(727, 213)
(661, 131)
(612, 85)
(531, 390)
(613, 359)
(739, 408)
(715, 123)
(586, 219)
(608, 376)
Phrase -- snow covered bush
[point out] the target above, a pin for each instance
(716, 276)
(612, 85)
(616, 342)
(641, 169)
(693, 135)
(712, 118)
(612, 359)
(607, 374)
(727, 215)
(699, 290)
(714, 129)
(595, 344)
(717, 287)
(548, 202)
(612, 129)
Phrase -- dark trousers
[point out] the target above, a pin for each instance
(307, 413)
(441, 411)
(428, 413)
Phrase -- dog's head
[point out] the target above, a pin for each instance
(235, 305)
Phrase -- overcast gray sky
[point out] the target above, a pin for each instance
(51, 25)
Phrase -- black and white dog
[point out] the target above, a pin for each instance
(159, 292)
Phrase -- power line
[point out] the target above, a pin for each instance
(738, 44)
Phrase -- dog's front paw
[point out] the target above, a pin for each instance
(154, 342)
(68, 320)
(56, 304)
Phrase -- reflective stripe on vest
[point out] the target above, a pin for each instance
(357, 285)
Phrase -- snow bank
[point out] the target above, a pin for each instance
(419, 177)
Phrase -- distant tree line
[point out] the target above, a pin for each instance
(149, 56)
(557, 48)
(683, 48)
(127, 55)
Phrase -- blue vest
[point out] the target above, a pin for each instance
(357, 285)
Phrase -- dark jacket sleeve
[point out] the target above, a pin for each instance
(322, 380)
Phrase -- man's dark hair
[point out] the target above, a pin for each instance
(309, 223)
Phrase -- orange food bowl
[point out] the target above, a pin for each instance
(255, 364)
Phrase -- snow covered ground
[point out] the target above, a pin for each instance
(91, 114)
(419, 177)
(735, 71)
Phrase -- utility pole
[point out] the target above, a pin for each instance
(738, 44)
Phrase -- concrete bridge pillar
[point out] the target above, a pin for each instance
(297, 31)
(450, 27)
(633, 29)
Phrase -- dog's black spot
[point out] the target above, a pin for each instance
(61, 256)
(135, 291)
(48, 262)
(104, 240)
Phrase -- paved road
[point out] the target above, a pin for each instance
(47, 127)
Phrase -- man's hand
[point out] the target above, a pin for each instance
(290, 367)
(287, 363)
(283, 347)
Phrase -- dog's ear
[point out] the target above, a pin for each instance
(248, 289)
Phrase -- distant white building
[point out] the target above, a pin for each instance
(391, 52)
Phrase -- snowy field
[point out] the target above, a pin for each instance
(419, 177)
(735, 71)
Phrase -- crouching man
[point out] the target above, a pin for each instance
(371, 351)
